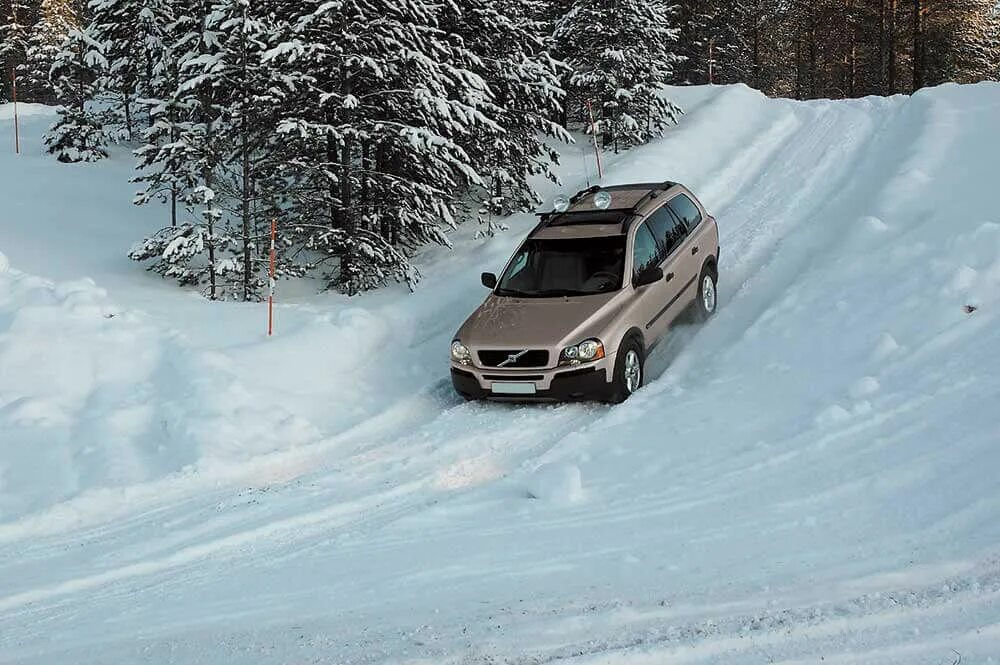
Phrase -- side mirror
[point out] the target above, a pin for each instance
(489, 280)
(648, 276)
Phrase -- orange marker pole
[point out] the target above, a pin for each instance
(270, 281)
(597, 150)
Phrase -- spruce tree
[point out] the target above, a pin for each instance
(77, 135)
(46, 39)
(20, 16)
(621, 53)
(118, 26)
(197, 251)
(377, 101)
(525, 95)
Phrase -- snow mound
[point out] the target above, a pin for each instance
(100, 397)
(557, 483)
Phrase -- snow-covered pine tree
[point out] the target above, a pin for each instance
(254, 103)
(77, 135)
(377, 99)
(621, 53)
(46, 39)
(526, 96)
(118, 26)
(163, 175)
(197, 252)
(18, 19)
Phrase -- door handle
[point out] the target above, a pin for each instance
(694, 250)
(669, 276)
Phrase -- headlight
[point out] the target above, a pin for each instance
(459, 353)
(584, 352)
(591, 350)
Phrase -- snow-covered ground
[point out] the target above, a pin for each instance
(814, 475)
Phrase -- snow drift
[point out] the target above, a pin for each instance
(812, 474)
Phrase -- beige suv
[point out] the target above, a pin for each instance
(588, 294)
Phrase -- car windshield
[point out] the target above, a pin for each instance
(565, 267)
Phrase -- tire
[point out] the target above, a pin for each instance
(623, 386)
(707, 300)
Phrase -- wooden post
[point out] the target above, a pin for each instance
(270, 280)
(597, 150)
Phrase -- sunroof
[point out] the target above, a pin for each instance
(589, 217)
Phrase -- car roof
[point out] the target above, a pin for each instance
(584, 219)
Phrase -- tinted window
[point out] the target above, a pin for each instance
(647, 250)
(686, 211)
(570, 267)
(668, 231)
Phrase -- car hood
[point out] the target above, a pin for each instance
(504, 322)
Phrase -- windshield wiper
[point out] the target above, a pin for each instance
(511, 293)
(561, 293)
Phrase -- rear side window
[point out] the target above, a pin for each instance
(686, 211)
(668, 230)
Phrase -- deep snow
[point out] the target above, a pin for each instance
(813, 474)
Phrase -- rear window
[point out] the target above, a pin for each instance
(686, 211)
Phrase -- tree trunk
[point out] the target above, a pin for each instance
(891, 55)
(347, 214)
(799, 87)
(245, 167)
(918, 45)
(813, 57)
(128, 115)
(210, 223)
(367, 166)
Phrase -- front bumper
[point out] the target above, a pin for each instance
(589, 382)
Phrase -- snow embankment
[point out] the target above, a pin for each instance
(811, 475)
(104, 405)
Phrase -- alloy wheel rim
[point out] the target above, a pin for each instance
(708, 294)
(633, 371)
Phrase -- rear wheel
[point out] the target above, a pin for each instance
(708, 294)
(629, 370)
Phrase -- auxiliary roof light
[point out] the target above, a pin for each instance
(602, 200)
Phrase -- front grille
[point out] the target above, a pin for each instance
(513, 377)
(532, 358)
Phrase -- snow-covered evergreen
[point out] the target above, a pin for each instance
(77, 135)
(525, 98)
(18, 17)
(621, 53)
(45, 41)
(379, 101)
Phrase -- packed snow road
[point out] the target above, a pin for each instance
(811, 475)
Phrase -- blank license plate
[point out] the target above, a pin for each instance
(510, 388)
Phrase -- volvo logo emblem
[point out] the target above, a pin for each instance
(512, 358)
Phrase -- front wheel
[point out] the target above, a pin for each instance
(629, 371)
